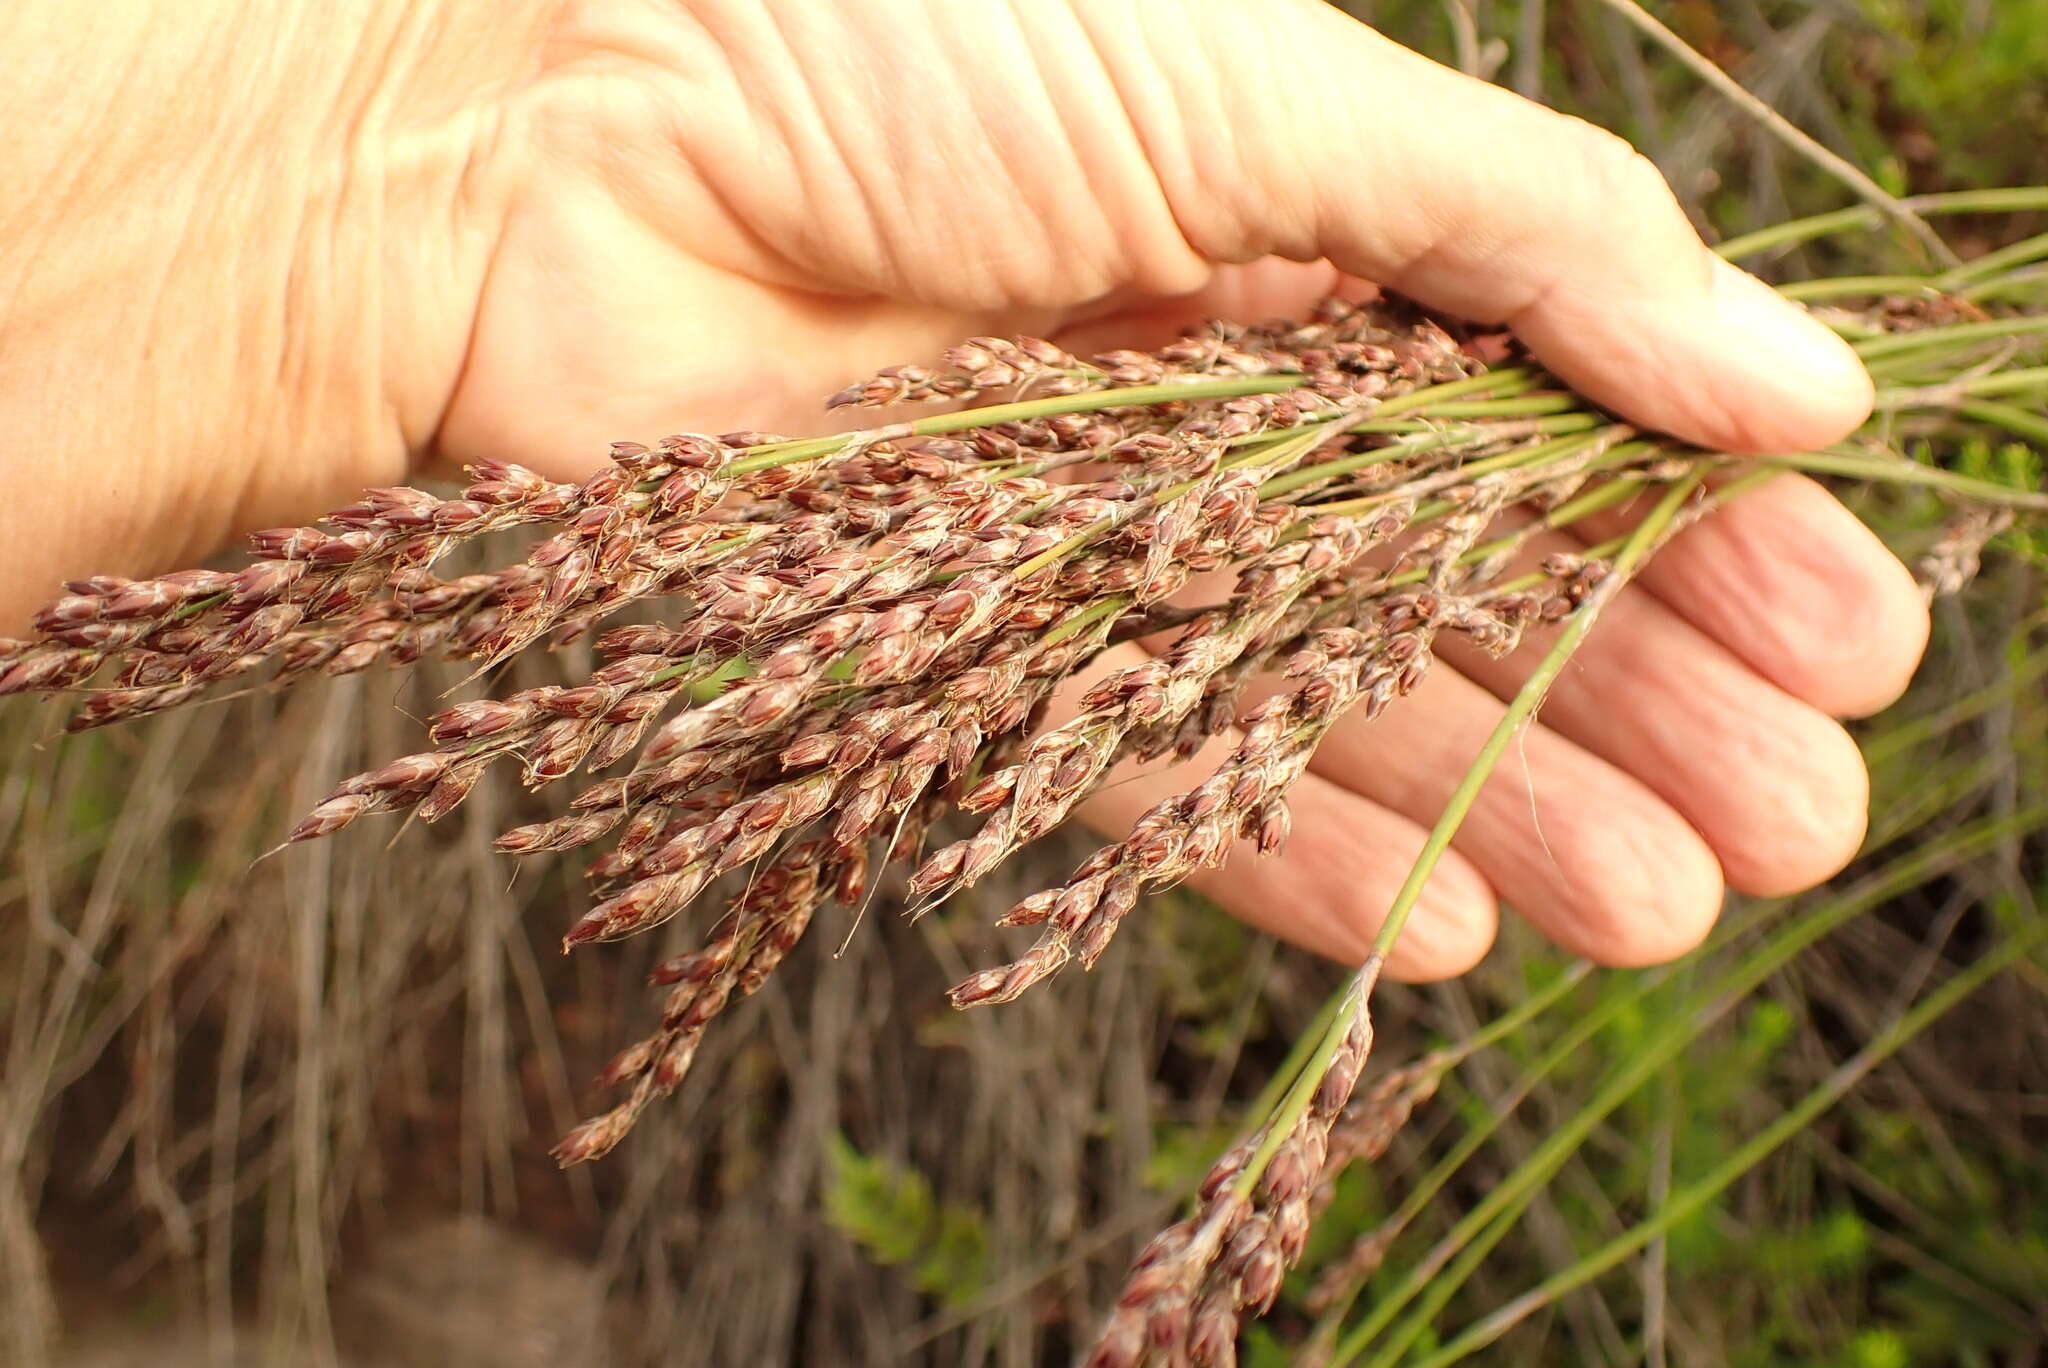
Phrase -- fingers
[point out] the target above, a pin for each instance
(1591, 855)
(1295, 130)
(1330, 889)
(1776, 787)
(1792, 582)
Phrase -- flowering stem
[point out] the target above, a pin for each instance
(1645, 538)
(1512, 406)
(1509, 380)
(1583, 1028)
(774, 454)
(1292, 480)
(1647, 534)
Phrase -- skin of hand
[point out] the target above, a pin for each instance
(252, 261)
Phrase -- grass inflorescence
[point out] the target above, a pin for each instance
(854, 643)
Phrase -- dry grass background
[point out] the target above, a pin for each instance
(299, 1112)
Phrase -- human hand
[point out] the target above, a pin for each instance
(295, 268)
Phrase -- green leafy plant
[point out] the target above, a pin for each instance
(892, 1213)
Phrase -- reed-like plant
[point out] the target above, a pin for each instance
(841, 650)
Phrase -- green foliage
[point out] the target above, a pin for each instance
(1878, 1349)
(2016, 466)
(892, 1213)
(1197, 950)
(1182, 1153)
(1261, 1348)
(1966, 74)
(1357, 1204)
(1830, 1246)
(2012, 464)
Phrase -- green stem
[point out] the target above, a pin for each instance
(2021, 253)
(1287, 483)
(1705, 1007)
(1527, 699)
(774, 454)
(1095, 612)
(1855, 465)
(1693, 1198)
(2019, 284)
(1645, 537)
(1499, 385)
(1843, 287)
(1502, 383)
(2018, 199)
(1505, 382)
(1577, 420)
(1955, 281)
(1298, 1054)
(1516, 406)
(1582, 1029)
(2013, 419)
(2024, 380)
(1952, 335)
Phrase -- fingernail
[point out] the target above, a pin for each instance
(1784, 342)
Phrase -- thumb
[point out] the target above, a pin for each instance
(1294, 130)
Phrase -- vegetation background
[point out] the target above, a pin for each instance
(299, 1112)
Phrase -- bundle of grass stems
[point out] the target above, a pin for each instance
(834, 657)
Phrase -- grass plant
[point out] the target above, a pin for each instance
(1556, 1175)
